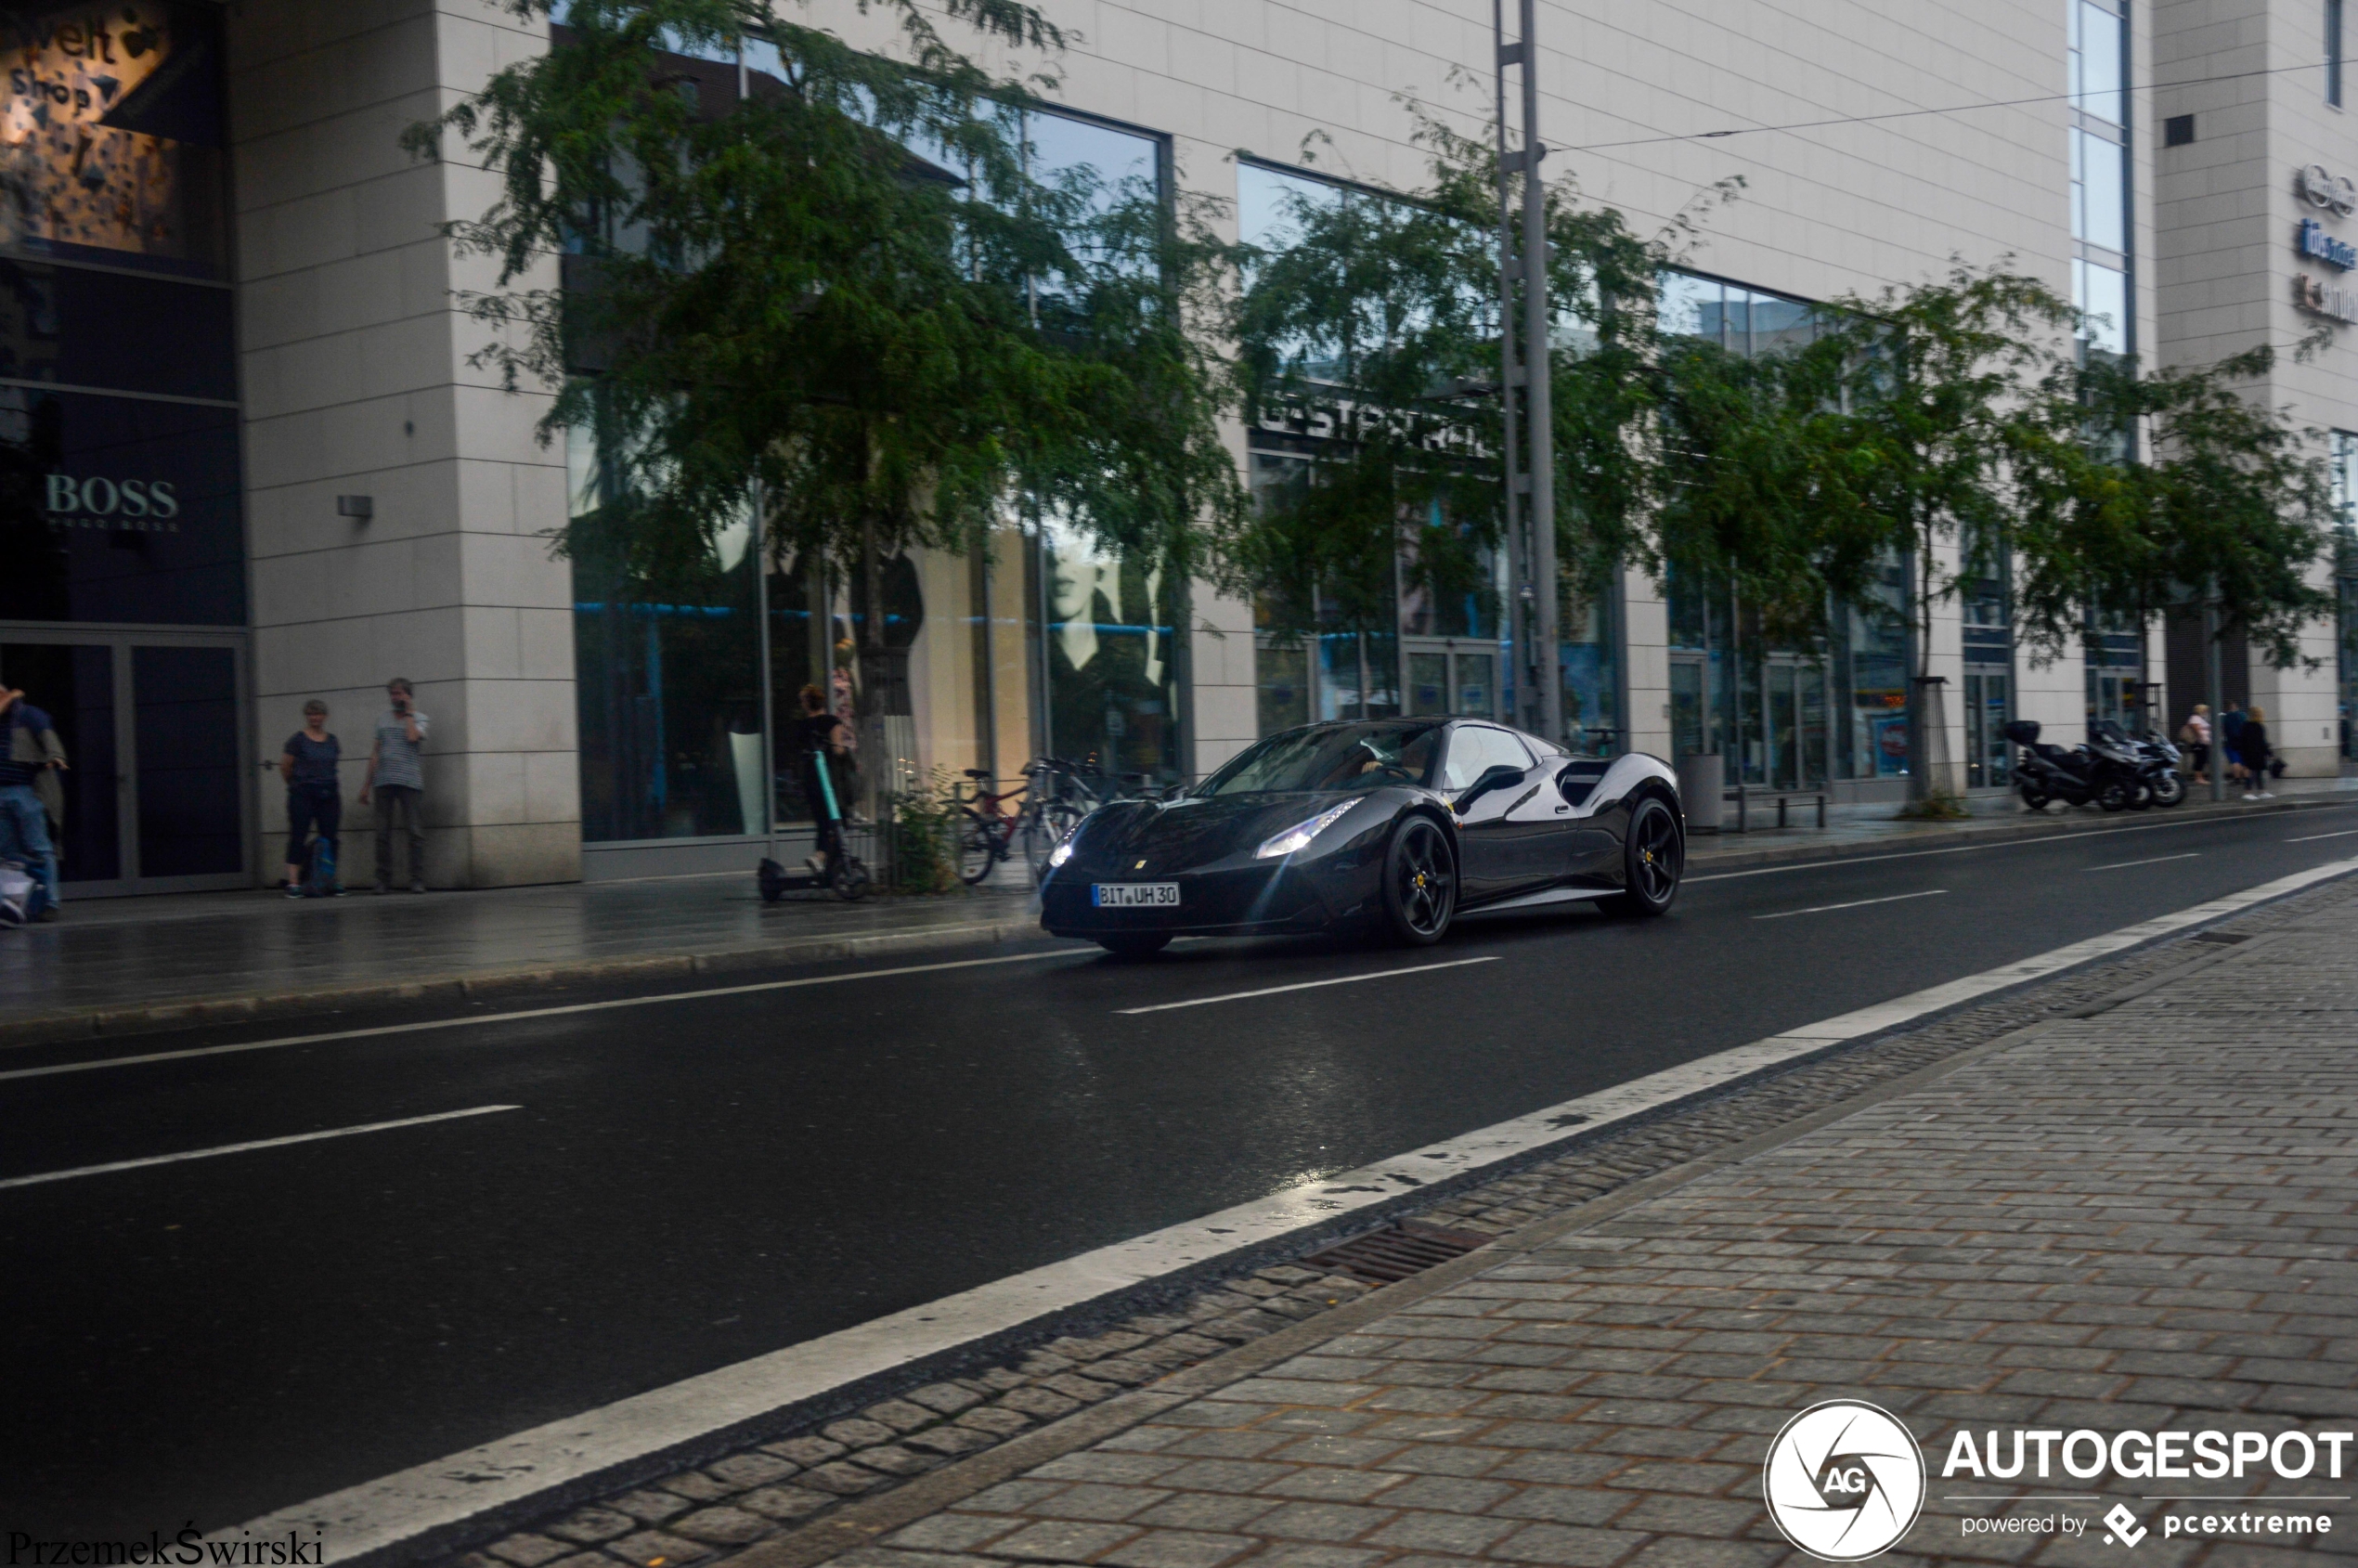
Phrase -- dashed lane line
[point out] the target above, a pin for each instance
(376, 1517)
(2158, 859)
(2060, 835)
(101, 1063)
(254, 1144)
(1855, 904)
(1308, 985)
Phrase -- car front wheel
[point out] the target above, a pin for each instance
(1653, 858)
(1419, 883)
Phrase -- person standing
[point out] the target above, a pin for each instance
(31, 798)
(314, 796)
(2230, 729)
(823, 738)
(397, 779)
(2196, 738)
(2251, 747)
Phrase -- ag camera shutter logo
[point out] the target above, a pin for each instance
(1843, 1481)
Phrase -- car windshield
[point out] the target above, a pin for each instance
(1338, 758)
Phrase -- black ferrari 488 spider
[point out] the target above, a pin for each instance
(1397, 826)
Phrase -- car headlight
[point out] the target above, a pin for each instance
(1061, 853)
(1301, 834)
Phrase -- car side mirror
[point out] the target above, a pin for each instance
(1499, 775)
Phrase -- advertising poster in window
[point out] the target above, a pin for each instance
(115, 508)
(110, 142)
(1111, 683)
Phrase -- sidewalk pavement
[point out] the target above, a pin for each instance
(2141, 1221)
(126, 966)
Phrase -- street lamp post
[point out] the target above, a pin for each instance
(1530, 494)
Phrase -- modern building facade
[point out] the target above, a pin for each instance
(250, 460)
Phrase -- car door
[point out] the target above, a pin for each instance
(1506, 835)
(1588, 837)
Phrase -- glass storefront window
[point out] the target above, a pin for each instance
(1589, 656)
(1871, 672)
(112, 137)
(1112, 676)
(668, 684)
(119, 509)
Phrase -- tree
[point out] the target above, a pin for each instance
(1923, 387)
(2232, 502)
(1379, 314)
(780, 292)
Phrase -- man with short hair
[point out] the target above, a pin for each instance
(396, 777)
(31, 759)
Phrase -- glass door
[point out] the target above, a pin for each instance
(1988, 764)
(1686, 707)
(154, 734)
(75, 685)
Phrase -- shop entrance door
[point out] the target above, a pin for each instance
(1988, 765)
(155, 799)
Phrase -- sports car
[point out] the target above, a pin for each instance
(1396, 826)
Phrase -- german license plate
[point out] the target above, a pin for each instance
(1134, 895)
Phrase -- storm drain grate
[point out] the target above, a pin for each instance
(1382, 1257)
(2223, 939)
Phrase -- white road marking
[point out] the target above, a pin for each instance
(2002, 843)
(2158, 859)
(2314, 837)
(1855, 904)
(382, 1513)
(1306, 985)
(241, 1149)
(470, 1022)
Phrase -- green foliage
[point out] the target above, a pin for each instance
(2233, 500)
(926, 822)
(1382, 313)
(776, 289)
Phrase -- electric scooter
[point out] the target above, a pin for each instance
(845, 873)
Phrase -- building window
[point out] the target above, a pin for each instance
(2333, 52)
(2098, 152)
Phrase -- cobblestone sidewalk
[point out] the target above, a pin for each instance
(2143, 1219)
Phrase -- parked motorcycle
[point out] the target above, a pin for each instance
(2048, 772)
(2108, 772)
(2162, 762)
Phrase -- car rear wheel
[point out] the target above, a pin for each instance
(1653, 858)
(1135, 944)
(1420, 884)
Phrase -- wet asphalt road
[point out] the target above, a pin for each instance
(688, 1184)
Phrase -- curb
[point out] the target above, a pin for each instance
(1991, 833)
(51, 1029)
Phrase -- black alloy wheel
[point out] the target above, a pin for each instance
(1419, 883)
(977, 846)
(1653, 858)
(2169, 789)
(2034, 799)
(1135, 944)
(2113, 795)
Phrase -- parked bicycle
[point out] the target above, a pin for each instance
(1032, 818)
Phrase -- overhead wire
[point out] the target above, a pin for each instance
(1917, 114)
